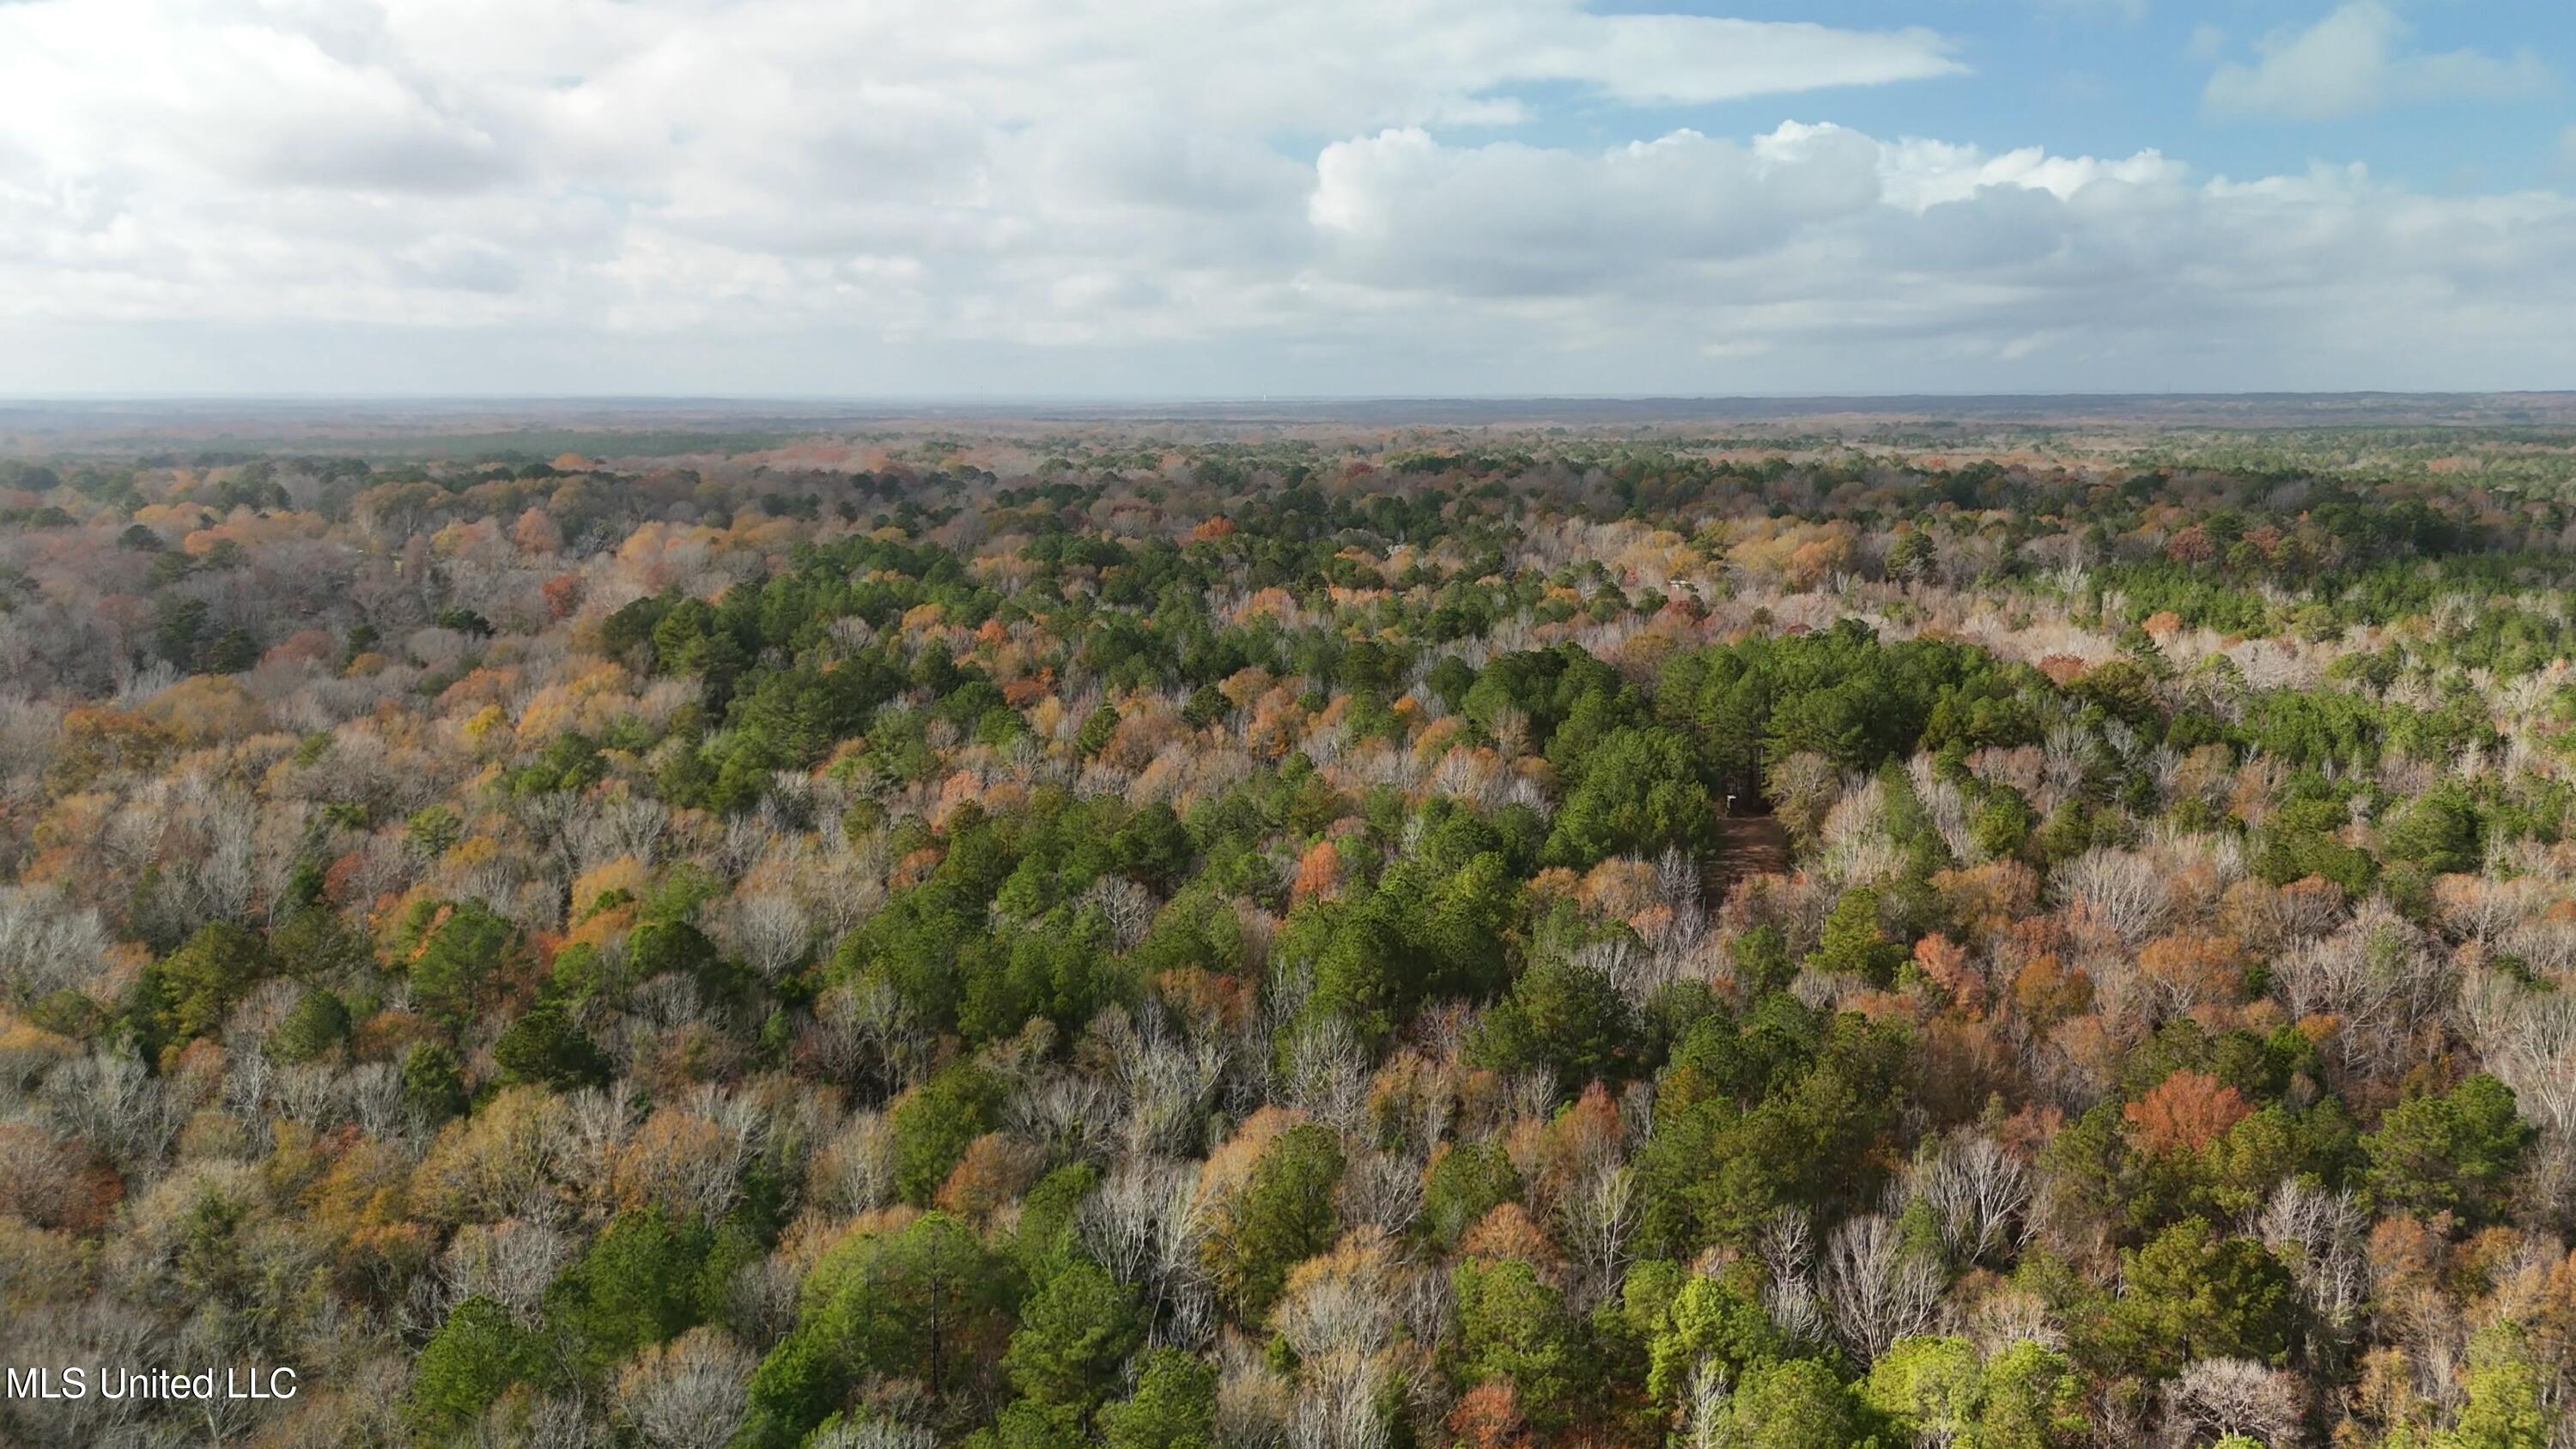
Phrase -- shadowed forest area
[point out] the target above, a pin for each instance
(1291, 930)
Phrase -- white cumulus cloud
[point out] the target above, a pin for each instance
(1175, 196)
(2355, 59)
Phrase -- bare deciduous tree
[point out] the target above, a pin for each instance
(2217, 1397)
(1704, 1406)
(1169, 1078)
(1127, 906)
(46, 944)
(1144, 1225)
(2322, 1234)
(2528, 1039)
(111, 1100)
(1380, 1189)
(773, 931)
(2377, 976)
(857, 1167)
(1876, 1288)
(1599, 1216)
(689, 1393)
(2126, 889)
(511, 1262)
(1980, 1191)
(1786, 1245)
(1069, 1112)
(1327, 1073)
(866, 1037)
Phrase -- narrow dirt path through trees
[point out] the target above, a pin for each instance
(1746, 845)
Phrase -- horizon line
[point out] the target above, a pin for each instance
(1206, 399)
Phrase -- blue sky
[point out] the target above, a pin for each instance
(2107, 78)
(2111, 78)
(1007, 198)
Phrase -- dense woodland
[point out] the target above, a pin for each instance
(1293, 944)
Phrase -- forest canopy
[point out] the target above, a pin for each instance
(1295, 938)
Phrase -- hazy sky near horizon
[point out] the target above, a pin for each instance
(1011, 198)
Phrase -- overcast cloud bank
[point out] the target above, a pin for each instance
(1149, 196)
